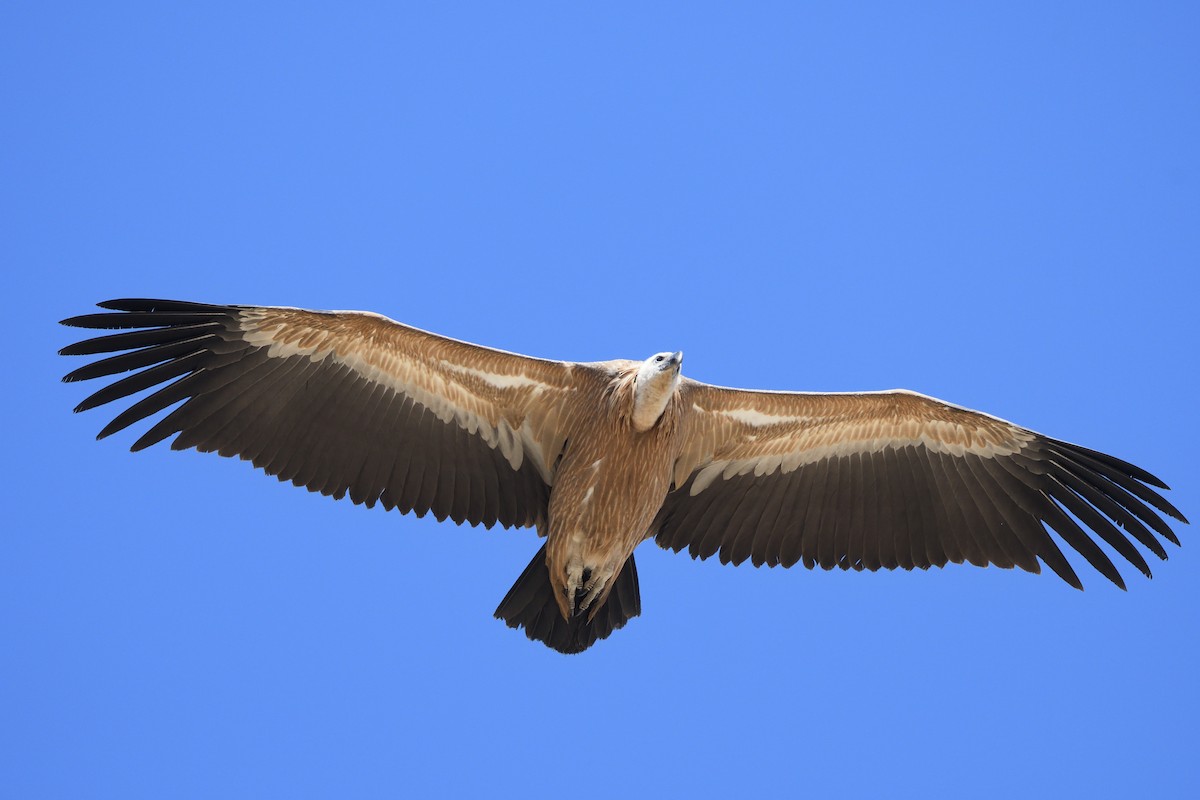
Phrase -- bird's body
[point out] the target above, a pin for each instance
(608, 488)
(601, 456)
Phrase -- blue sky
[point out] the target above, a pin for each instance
(995, 204)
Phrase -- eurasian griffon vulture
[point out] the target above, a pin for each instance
(601, 456)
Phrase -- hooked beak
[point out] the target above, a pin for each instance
(677, 358)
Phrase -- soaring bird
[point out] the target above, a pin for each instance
(599, 457)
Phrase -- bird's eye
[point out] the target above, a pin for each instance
(658, 358)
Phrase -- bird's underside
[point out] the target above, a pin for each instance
(600, 456)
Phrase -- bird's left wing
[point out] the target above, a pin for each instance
(895, 479)
(341, 402)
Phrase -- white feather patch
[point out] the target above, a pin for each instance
(758, 419)
(512, 381)
(769, 463)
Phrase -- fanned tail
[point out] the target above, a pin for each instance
(530, 604)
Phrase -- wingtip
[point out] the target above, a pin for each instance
(1153, 480)
(1060, 567)
(110, 429)
(74, 322)
(74, 376)
(116, 304)
(88, 404)
(133, 304)
(81, 320)
(158, 304)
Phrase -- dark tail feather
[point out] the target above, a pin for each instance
(530, 604)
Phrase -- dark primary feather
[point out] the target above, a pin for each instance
(909, 507)
(318, 424)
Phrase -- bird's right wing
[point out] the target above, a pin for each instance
(341, 402)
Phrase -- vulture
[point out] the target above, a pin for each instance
(598, 457)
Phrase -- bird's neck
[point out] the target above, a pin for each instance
(650, 399)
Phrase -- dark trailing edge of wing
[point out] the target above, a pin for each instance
(846, 512)
(318, 424)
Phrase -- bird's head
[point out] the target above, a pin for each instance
(656, 382)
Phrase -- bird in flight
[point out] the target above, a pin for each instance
(599, 457)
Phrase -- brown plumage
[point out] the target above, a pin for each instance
(599, 457)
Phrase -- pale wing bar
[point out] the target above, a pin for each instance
(906, 505)
(318, 423)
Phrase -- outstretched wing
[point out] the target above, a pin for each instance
(896, 479)
(340, 402)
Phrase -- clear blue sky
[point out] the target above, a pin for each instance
(996, 204)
